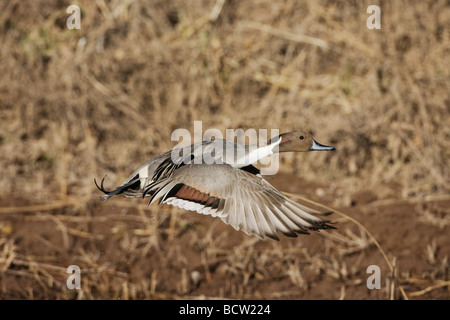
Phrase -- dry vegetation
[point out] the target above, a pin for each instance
(77, 104)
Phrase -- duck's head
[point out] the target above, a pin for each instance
(298, 141)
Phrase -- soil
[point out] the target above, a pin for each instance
(126, 250)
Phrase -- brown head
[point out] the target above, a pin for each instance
(298, 141)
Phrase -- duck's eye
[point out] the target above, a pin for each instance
(302, 137)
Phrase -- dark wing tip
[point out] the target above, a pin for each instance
(325, 225)
(328, 226)
(327, 213)
(291, 234)
(272, 236)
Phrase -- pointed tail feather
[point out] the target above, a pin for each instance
(121, 189)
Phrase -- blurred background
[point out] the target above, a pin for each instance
(78, 104)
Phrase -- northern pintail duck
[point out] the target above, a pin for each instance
(201, 178)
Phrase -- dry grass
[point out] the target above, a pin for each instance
(73, 100)
(76, 104)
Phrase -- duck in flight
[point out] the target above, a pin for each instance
(217, 178)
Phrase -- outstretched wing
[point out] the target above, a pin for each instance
(240, 198)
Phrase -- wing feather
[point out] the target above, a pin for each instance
(240, 198)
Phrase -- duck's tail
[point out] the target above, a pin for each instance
(130, 188)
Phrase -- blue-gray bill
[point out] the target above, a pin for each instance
(320, 147)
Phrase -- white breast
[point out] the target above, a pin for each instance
(255, 154)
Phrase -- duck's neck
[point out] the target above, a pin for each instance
(275, 143)
(254, 153)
